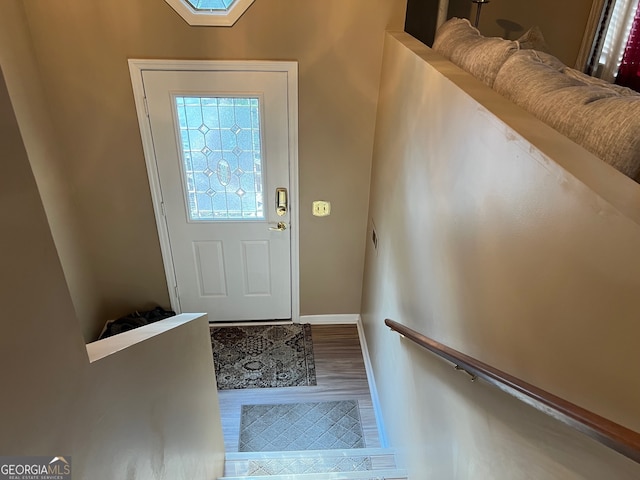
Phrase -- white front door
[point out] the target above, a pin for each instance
(222, 152)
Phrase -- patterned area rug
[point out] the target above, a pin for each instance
(263, 356)
(300, 426)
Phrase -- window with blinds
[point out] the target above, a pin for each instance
(616, 38)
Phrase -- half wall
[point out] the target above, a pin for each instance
(501, 238)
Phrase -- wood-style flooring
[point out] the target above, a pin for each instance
(340, 374)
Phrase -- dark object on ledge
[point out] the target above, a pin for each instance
(134, 320)
(421, 19)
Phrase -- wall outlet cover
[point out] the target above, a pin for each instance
(321, 208)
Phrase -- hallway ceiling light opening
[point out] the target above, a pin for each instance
(222, 13)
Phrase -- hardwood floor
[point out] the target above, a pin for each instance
(340, 374)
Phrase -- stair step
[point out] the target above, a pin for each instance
(361, 463)
(370, 475)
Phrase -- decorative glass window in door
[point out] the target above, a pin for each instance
(221, 157)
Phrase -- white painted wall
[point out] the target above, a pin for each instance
(486, 244)
(149, 411)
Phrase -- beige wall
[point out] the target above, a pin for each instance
(562, 22)
(82, 50)
(491, 247)
(28, 98)
(119, 417)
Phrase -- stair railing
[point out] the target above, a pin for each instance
(606, 432)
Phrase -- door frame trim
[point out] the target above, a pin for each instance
(136, 69)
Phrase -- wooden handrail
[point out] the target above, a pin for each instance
(611, 434)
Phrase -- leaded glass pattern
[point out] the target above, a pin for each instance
(211, 4)
(221, 157)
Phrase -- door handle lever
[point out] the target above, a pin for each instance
(279, 228)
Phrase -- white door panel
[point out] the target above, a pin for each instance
(221, 144)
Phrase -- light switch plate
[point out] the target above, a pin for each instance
(321, 208)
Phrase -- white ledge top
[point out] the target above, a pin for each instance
(611, 185)
(110, 345)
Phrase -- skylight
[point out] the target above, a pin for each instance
(210, 12)
(211, 4)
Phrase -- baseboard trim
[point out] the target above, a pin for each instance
(375, 399)
(253, 323)
(331, 319)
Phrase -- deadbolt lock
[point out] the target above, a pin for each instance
(282, 204)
